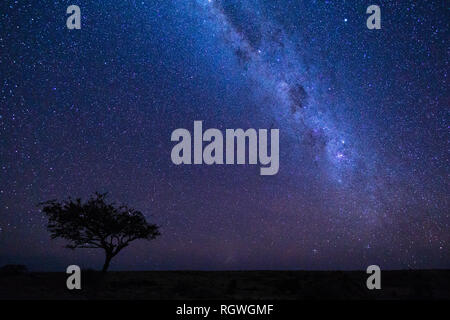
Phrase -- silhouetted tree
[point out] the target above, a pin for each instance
(97, 224)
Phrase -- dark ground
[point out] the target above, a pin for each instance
(190, 285)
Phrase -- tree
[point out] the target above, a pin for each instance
(97, 224)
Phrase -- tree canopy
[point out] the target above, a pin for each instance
(97, 224)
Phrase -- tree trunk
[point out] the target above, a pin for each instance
(107, 261)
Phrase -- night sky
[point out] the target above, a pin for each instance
(363, 119)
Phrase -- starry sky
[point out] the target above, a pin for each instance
(363, 119)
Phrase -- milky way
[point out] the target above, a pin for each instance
(293, 89)
(363, 119)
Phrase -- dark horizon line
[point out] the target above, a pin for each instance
(250, 270)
